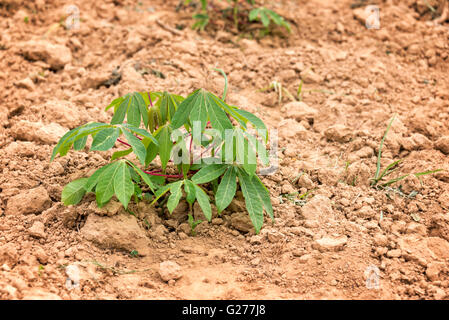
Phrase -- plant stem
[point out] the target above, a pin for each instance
(154, 173)
(126, 144)
(149, 98)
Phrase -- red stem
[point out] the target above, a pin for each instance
(149, 98)
(153, 173)
(126, 144)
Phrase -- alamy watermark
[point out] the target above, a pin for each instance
(373, 19)
(72, 22)
(372, 275)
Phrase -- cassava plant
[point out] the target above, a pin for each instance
(212, 146)
(241, 12)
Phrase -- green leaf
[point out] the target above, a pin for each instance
(419, 174)
(252, 200)
(152, 151)
(168, 104)
(105, 186)
(226, 189)
(105, 139)
(121, 153)
(379, 155)
(123, 184)
(160, 192)
(93, 179)
(80, 143)
(142, 108)
(184, 109)
(256, 145)
(140, 132)
(189, 188)
(264, 196)
(245, 154)
(204, 202)
(115, 103)
(176, 193)
(208, 173)
(143, 175)
(133, 114)
(64, 144)
(137, 145)
(253, 14)
(264, 18)
(74, 192)
(61, 142)
(255, 121)
(165, 146)
(218, 118)
(120, 112)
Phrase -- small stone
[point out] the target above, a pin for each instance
(274, 236)
(380, 240)
(31, 201)
(366, 212)
(169, 270)
(241, 222)
(442, 144)
(217, 221)
(38, 132)
(339, 133)
(395, 253)
(26, 83)
(117, 232)
(287, 188)
(371, 225)
(433, 270)
(110, 209)
(330, 244)
(305, 258)
(37, 230)
(172, 283)
(41, 255)
(184, 228)
(56, 55)
(305, 182)
(299, 111)
(256, 239)
(309, 76)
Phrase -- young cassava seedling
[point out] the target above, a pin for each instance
(209, 142)
(242, 13)
(378, 181)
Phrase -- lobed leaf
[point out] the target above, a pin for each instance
(105, 139)
(226, 189)
(203, 201)
(137, 146)
(74, 191)
(176, 193)
(123, 184)
(252, 200)
(209, 173)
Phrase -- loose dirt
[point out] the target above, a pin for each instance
(344, 240)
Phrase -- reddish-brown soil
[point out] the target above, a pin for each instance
(324, 246)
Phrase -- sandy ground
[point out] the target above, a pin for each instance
(324, 246)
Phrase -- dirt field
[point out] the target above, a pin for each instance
(324, 246)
